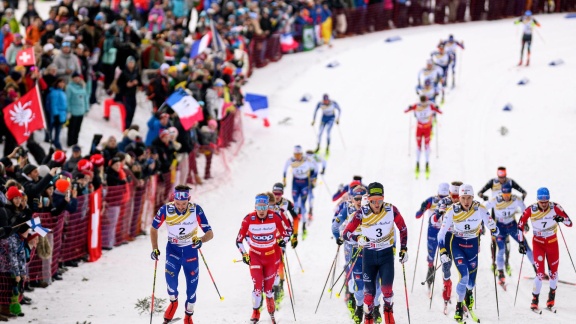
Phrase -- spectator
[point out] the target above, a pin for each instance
(213, 104)
(29, 16)
(34, 31)
(208, 139)
(34, 185)
(10, 20)
(165, 149)
(71, 163)
(156, 123)
(109, 52)
(77, 98)
(58, 109)
(13, 49)
(110, 149)
(114, 177)
(67, 62)
(128, 83)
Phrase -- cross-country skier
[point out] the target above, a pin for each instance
(528, 23)
(304, 173)
(465, 218)
(431, 91)
(183, 218)
(430, 72)
(424, 111)
(320, 162)
(505, 206)
(443, 60)
(287, 206)
(329, 108)
(545, 216)
(495, 185)
(377, 221)
(433, 226)
(344, 189)
(451, 45)
(438, 216)
(260, 228)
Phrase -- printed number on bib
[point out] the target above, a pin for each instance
(379, 230)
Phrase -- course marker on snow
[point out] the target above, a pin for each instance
(306, 98)
(508, 107)
(524, 81)
(333, 64)
(570, 15)
(393, 39)
(556, 62)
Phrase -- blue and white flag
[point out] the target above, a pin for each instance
(37, 227)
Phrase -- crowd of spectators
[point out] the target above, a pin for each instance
(86, 48)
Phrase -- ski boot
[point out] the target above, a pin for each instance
(352, 306)
(255, 315)
(368, 319)
(427, 170)
(417, 171)
(520, 64)
(317, 148)
(188, 318)
(429, 276)
(509, 270)
(310, 216)
(170, 311)
(469, 299)
(447, 292)
(388, 314)
(271, 306)
(327, 154)
(534, 303)
(551, 297)
(501, 278)
(304, 231)
(358, 314)
(459, 314)
(376, 314)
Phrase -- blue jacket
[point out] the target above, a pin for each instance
(154, 128)
(77, 97)
(58, 104)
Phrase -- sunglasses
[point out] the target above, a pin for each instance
(376, 201)
(357, 198)
(181, 195)
(261, 207)
(454, 196)
(278, 194)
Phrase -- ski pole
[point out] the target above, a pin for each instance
(298, 258)
(153, 290)
(409, 135)
(475, 303)
(417, 252)
(289, 284)
(210, 273)
(406, 292)
(326, 283)
(496, 291)
(347, 278)
(540, 36)
(566, 245)
(288, 271)
(519, 274)
(334, 269)
(326, 185)
(341, 137)
(431, 275)
(434, 277)
(352, 260)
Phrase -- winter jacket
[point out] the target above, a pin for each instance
(58, 105)
(179, 8)
(12, 22)
(129, 76)
(12, 250)
(154, 128)
(71, 163)
(67, 61)
(77, 99)
(58, 202)
(34, 189)
(11, 53)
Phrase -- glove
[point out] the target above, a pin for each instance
(485, 197)
(361, 239)
(154, 255)
(495, 231)
(403, 255)
(294, 240)
(419, 214)
(196, 243)
(339, 241)
(522, 248)
(524, 196)
(444, 258)
(313, 123)
(526, 227)
(282, 243)
(246, 258)
(442, 209)
(558, 219)
(323, 170)
(337, 121)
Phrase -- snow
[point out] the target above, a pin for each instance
(373, 84)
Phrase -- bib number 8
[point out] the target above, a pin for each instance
(467, 227)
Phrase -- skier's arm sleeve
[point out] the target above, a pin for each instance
(491, 204)
(241, 235)
(560, 211)
(399, 221)
(286, 222)
(435, 108)
(527, 213)
(315, 111)
(517, 187)
(488, 221)
(159, 218)
(281, 228)
(337, 107)
(423, 207)
(351, 227)
(202, 220)
(446, 223)
(336, 222)
(291, 210)
(286, 166)
(486, 187)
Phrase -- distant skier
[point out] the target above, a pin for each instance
(329, 108)
(545, 217)
(505, 206)
(377, 221)
(528, 23)
(424, 111)
(320, 162)
(442, 60)
(304, 173)
(430, 72)
(183, 218)
(260, 228)
(431, 91)
(451, 45)
(465, 218)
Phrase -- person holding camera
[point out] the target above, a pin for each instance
(34, 185)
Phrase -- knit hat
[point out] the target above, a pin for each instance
(375, 189)
(29, 168)
(84, 165)
(75, 74)
(132, 134)
(47, 47)
(219, 83)
(59, 157)
(76, 148)
(130, 59)
(97, 160)
(278, 187)
(466, 190)
(443, 189)
(115, 160)
(13, 192)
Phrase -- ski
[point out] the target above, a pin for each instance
(504, 286)
(471, 314)
(536, 310)
(417, 172)
(559, 281)
(551, 309)
(174, 320)
(427, 173)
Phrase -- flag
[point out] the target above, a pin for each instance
(26, 57)
(218, 45)
(37, 227)
(94, 236)
(188, 109)
(200, 45)
(257, 106)
(287, 43)
(24, 116)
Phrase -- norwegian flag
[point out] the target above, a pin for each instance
(24, 116)
(26, 57)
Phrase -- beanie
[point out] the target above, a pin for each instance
(97, 160)
(59, 157)
(375, 189)
(29, 168)
(84, 165)
(278, 187)
(13, 192)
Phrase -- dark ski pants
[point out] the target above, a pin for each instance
(374, 264)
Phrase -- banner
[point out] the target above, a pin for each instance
(94, 239)
(24, 116)
(308, 41)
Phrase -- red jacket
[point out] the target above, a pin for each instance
(261, 233)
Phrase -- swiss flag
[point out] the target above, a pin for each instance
(26, 57)
(24, 116)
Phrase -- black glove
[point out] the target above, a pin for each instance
(282, 243)
(485, 197)
(196, 243)
(522, 248)
(339, 241)
(526, 227)
(294, 240)
(524, 196)
(155, 254)
(246, 258)
(558, 219)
